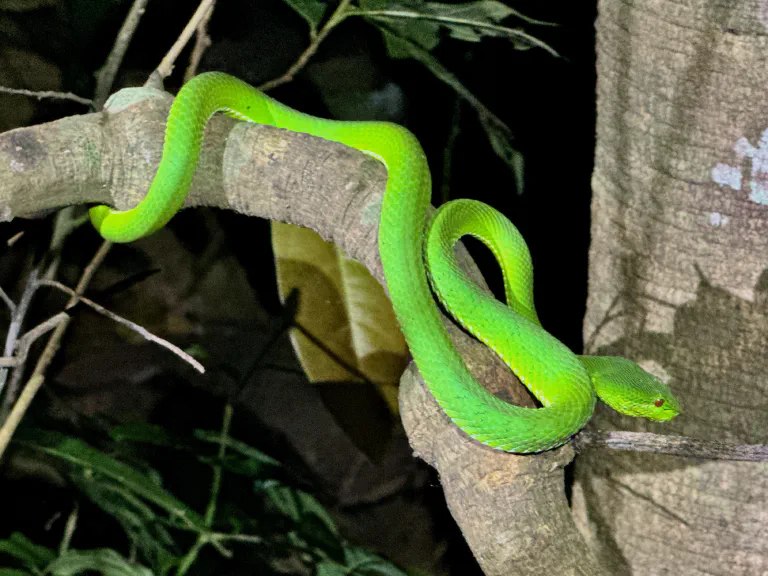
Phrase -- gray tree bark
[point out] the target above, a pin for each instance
(678, 280)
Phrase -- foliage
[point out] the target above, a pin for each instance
(412, 29)
(287, 523)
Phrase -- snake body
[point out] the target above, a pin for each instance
(564, 383)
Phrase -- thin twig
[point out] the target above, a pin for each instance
(202, 43)
(210, 513)
(674, 445)
(106, 76)
(64, 223)
(237, 537)
(38, 376)
(166, 66)
(17, 320)
(336, 18)
(69, 529)
(19, 409)
(40, 94)
(22, 352)
(125, 322)
(331, 354)
(13, 239)
(8, 302)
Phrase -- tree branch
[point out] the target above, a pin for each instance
(337, 191)
(674, 445)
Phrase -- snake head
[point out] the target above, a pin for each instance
(629, 389)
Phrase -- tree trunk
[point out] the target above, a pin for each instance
(678, 282)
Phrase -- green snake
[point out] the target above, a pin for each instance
(415, 254)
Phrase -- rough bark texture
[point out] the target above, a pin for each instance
(512, 509)
(677, 279)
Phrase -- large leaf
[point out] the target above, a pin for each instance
(344, 308)
(103, 561)
(81, 454)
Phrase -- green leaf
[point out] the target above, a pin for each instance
(416, 29)
(83, 455)
(104, 561)
(13, 572)
(145, 433)
(296, 504)
(141, 522)
(420, 22)
(329, 568)
(311, 10)
(363, 562)
(242, 448)
(359, 562)
(32, 555)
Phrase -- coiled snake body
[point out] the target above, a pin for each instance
(564, 383)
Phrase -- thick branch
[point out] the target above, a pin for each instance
(674, 445)
(261, 171)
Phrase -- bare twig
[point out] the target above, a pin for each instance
(133, 326)
(8, 302)
(63, 224)
(40, 94)
(166, 66)
(204, 538)
(202, 43)
(15, 327)
(69, 528)
(336, 18)
(13, 239)
(38, 376)
(14, 418)
(22, 351)
(674, 445)
(106, 77)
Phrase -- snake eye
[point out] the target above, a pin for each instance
(659, 403)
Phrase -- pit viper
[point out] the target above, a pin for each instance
(415, 252)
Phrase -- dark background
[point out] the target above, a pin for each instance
(547, 102)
